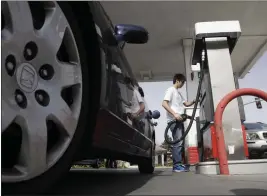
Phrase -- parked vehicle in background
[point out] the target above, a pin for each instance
(111, 163)
(256, 139)
(66, 92)
(94, 163)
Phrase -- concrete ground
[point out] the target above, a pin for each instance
(162, 182)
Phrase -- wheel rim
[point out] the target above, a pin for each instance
(35, 79)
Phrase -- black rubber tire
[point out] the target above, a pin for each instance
(107, 163)
(42, 183)
(115, 165)
(96, 165)
(147, 165)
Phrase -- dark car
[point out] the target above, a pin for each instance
(67, 91)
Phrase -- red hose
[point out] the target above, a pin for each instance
(222, 156)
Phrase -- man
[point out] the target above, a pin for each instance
(174, 104)
(140, 90)
(137, 113)
(146, 129)
(137, 105)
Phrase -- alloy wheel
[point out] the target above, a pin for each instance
(41, 85)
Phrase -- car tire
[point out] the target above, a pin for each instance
(42, 182)
(115, 165)
(147, 165)
(107, 163)
(96, 165)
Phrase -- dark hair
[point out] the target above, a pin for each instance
(141, 92)
(179, 77)
(128, 80)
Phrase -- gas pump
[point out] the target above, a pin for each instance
(212, 47)
(221, 137)
(218, 39)
(221, 134)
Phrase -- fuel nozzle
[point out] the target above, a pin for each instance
(185, 117)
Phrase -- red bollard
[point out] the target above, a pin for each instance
(222, 156)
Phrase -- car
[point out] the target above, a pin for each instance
(256, 136)
(111, 163)
(67, 91)
(94, 163)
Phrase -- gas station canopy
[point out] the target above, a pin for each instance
(171, 26)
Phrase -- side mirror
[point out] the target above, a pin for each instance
(131, 34)
(155, 114)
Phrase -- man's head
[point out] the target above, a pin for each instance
(179, 80)
(129, 82)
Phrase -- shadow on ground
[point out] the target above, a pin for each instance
(101, 182)
(249, 191)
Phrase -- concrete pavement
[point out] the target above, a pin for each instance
(162, 182)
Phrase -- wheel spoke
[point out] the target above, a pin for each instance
(70, 74)
(63, 116)
(8, 115)
(54, 27)
(33, 157)
(18, 16)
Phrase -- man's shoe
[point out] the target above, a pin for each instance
(180, 168)
(186, 166)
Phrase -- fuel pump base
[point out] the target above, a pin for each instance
(236, 167)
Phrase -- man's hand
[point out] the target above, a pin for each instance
(188, 104)
(178, 117)
(134, 115)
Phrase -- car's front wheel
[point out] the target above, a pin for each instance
(147, 165)
(44, 93)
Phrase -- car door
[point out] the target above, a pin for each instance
(116, 92)
(141, 137)
(114, 89)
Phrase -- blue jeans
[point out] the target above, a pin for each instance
(177, 131)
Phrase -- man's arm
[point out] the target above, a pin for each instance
(166, 100)
(186, 103)
(189, 103)
(141, 103)
(142, 108)
(165, 105)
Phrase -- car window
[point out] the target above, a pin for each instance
(264, 125)
(106, 15)
(252, 126)
(127, 66)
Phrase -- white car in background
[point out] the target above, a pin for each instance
(256, 139)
